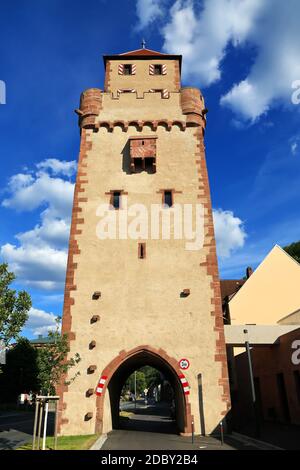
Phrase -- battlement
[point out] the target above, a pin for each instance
(98, 108)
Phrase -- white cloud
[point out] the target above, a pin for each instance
(246, 99)
(40, 267)
(276, 67)
(39, 260)
(229, 230)
(29, 194)
(147, 11)
(203, 42)
(294, 147)
(40, 322)
(58, 167)
(203, 32)
(52, 231)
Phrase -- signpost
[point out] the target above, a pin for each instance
(184, 364)
(41, 405)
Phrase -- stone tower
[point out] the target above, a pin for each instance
(143, 299)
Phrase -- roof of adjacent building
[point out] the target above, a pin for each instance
(230, 287)
(271, 294)
(42, 340)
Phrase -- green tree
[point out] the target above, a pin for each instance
(294, 250)
(53, 363)
(146, 377)
(152, 376)
(140, 382)
(14, 307)
(20, 373)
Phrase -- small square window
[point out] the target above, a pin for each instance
(116, 199)
(168, 198)
(157, 69)
(127, 69)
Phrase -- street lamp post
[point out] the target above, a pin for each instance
(253, 394)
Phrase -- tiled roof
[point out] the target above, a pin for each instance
(143, 52)
(230, 286)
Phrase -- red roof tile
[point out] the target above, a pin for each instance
(230, 286)
(143, 52)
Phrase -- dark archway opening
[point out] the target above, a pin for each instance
(160, 409)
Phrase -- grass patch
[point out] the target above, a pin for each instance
(66, 443)
(126, 414)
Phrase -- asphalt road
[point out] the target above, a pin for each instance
(151, 427)
(136, 440)
(16, 428)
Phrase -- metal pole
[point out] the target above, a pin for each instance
(253, 394)
(250, 372)
(135, 389)
(40, 422)
(222, 433)
(192, 432)
(45, 425)
(55, 424)
(35, 424)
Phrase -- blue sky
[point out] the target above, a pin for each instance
(243, 54)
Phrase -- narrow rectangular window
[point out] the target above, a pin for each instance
(157, 69)
(127, 69)
(168, 198)
(116, 199)
(142, 251)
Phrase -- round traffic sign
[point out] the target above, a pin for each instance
(184, 363)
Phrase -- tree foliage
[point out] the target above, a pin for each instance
(53, 363)
(14, 307)
(146, 377)
(294, 250)
(20, 373)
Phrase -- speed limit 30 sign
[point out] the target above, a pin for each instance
(184, 364)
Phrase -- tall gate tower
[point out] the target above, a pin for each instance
(136, 295)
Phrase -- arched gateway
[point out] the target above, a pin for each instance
(114, 375)
(142, 266)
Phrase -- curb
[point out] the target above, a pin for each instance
(260, 444)
(99, 442)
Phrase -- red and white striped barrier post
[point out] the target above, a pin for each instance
(100, 385)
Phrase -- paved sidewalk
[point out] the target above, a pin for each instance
(286, 436)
